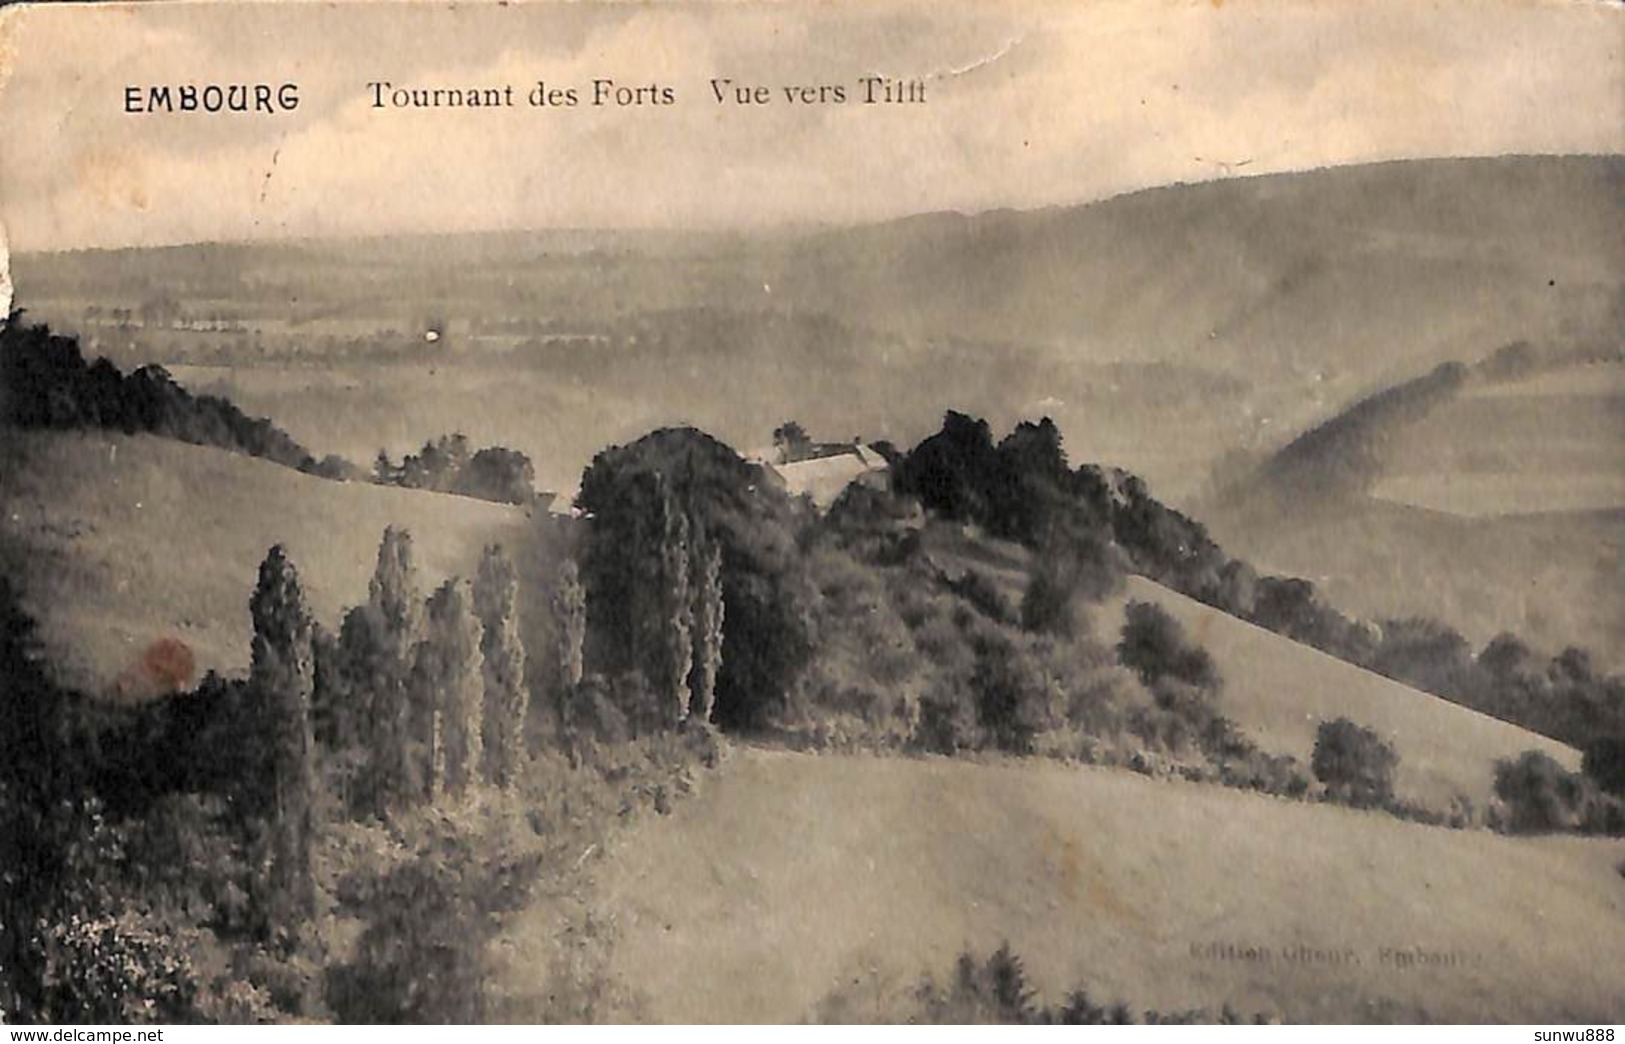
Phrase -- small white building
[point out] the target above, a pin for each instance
(824, 478)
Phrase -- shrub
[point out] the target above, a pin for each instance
(116, 968)
(995, 990)
(983, 593)
(1354, 763)
(947, 722)
(1154, 647)
(1541, 796)
(422, 956)
(991, 992)
(1012, 699)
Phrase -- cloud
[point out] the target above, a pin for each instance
(1029, 104)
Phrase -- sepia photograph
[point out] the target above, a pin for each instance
(1027, 512)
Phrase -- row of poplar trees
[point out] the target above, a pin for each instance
(675, 606)
(415, 699)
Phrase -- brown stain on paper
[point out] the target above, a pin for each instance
(114, 177)
(167, 665)
(1078, 872)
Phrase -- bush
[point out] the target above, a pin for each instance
(947, 720)
(1012, 699)
(1354, 763)
(983, 593)
(1541, 796)
(1154, 647)
(991, 990)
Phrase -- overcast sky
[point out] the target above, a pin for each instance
(1028, 103)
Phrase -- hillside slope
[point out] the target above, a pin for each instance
(119, 541)
(791, 877)
(1279, 692)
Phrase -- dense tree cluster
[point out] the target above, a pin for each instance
(450, 464)
(115, 867)
(679, 526)
(46, 383)
(1022, 489)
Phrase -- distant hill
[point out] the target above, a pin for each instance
(1247, 307)
(790, 878)
(119, 542)
(1491, 500)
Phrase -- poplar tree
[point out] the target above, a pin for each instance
(662, 606)
(708, 615)
(570, 625)
(448, 690)
(281, 675)
(569, 608)
(496, 597)
(395, 608)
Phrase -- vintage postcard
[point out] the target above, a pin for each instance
(762, 512)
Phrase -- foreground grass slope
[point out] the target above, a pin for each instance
(120, 541)
(792, 878)
(1279, 692)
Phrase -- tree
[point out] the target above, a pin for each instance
(569, 605)
(1541, 794)
(282, 675)
(1508, 658)
(1154, 647)
(1012, 697)
(1425, 653)
(44, 814)
(766, 635)
(448, 693)
(791, 442)
(957, 472)
(709, 615)
(498, 474)
(394, 611)
(1065, 571)
(496, 596)
(1604, 763)
(662, 604)
(345, 683)
(1354, 763)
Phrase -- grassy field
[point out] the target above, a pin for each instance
(121, 541)
(790, 878)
